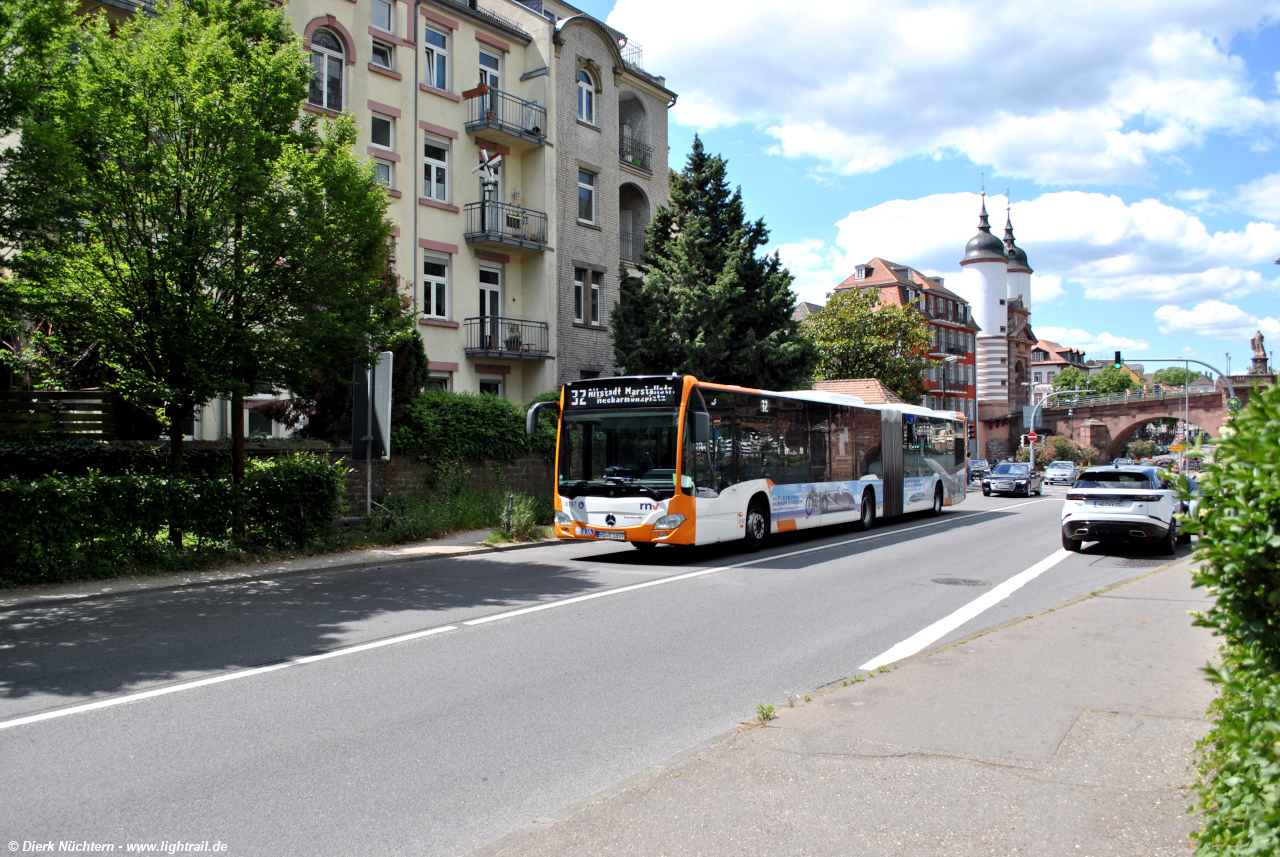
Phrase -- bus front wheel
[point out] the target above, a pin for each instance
(757, 523)
(937, 501)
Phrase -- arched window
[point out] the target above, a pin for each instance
(326, 70)
(586, 97)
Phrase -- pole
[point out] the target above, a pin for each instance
(1036, 410)
(368, 445)
(1186, 416)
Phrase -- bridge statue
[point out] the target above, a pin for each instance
(1259, 355)
(1256, 342)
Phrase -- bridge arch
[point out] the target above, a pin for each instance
(1121, 438)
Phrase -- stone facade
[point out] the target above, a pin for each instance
(628, 124)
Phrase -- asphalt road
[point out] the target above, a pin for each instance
(465, 732)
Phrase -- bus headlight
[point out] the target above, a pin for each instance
(668, 522)
(563, 519)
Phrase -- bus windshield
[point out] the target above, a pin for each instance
(631, 450)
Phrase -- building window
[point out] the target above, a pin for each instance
(597, 280)
(435, 287)
(382, 173)
(383, 55)
(1037, 377)
(382, 131)
(586, 197)
(437, 58)
(382, 15)
(435, 173)
(327, 62)
(971, 345)
(491, 387)
(579, 285)
(437, 382)
(1048, 376)
(586, 97)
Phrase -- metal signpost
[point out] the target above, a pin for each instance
(371, 419)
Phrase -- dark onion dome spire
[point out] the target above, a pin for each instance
(984, 247)
(1017, 256)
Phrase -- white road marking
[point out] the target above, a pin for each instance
(578, 599)
(918, 641)
(219, 679)
(403, 638)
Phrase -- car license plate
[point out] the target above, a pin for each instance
(611, 534)
(1109, 504)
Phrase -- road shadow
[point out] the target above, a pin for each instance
(96, 647)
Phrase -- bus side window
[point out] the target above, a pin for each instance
(819, 429)
(867, 436)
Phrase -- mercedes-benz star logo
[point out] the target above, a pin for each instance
(610, 520)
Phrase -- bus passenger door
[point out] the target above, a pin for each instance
(891, 452)
(715, 512)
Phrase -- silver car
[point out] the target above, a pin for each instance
(1060, 471)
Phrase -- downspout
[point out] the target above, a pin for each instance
(413, 240)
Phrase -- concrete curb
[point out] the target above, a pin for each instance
(225, 577)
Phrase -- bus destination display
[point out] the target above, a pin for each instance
(624, 393)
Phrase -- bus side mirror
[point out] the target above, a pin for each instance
(701, 427)
(531, 418)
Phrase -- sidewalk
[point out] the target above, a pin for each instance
(468, 541)
(1069, 733)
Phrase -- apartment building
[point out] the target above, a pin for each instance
(512, 270)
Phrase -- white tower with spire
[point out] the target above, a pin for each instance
(985, 269)
(1019, 270)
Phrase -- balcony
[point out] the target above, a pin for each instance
(949, 349)
(494, 336)
(505, 118)
(631, 246)
(499, 224)
(636, 154)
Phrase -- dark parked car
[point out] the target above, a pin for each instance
(1012, 478)
(978, 468)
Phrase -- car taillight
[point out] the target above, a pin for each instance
(1075, 496)
(1146, 498)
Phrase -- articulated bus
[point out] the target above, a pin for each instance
(673, 460)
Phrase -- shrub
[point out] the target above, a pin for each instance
(463, 426)
(1239, 553)
(1137, 449)
(33, 457)
(1240, 516)
(292, 500)
(1059, 447)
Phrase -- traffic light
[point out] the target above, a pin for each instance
(1119, 364)
(973, 431)
(1022, 443)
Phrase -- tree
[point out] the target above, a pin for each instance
(224, 243)
(709, 304)
(1108, 381)
(1175, 376)
(856, 337)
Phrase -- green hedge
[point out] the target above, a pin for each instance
(36, 457)
(58, 527)
(1239, 553)
(463, 426)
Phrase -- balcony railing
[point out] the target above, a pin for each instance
(635, 153)
(506, 338)
(493, 109)
(631, 246)
(496, 222)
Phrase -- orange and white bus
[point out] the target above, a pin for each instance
(673, 460)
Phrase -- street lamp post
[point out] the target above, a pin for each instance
(1036, 410)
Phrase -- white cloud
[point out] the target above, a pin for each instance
(1213, 318)
(1085, 341)
(1111, 250)
(1040, 90)
(1261, 197)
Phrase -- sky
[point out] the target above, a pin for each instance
(1138, 143)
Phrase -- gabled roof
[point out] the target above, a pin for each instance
(804, 309)
(882, 272)
(870, 390)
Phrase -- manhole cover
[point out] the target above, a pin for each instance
(960, 581)
(1143, 563)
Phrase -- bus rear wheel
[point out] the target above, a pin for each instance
(756, 524)
(868, 519)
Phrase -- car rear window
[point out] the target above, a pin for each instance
(1113, 479)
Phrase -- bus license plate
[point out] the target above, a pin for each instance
(611, 534)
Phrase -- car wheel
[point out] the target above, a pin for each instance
(868, 519)
(1028, 487)
(1169, 544)
(1071, 544)
(937, 501)
(1184, 538)
(757, 524)
(986, 492)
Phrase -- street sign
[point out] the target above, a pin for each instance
(1026, 417)
(1033, 437)
(1177, 447)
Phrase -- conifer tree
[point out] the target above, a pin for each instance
(711, 305)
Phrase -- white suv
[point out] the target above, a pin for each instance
(1121, 504)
